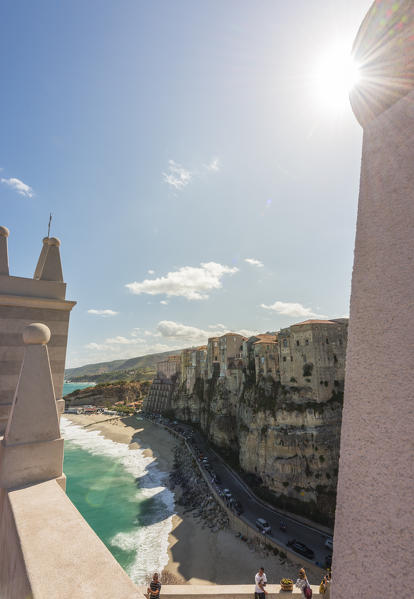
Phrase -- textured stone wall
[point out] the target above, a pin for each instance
(375, 519)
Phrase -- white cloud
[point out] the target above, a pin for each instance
(193, 283)
(21, 188)
(293, 309)
(213, 165)
(151, 272)
(164, 302)
(254, 262)
(103, 313)
(176, 175)
(120, 340)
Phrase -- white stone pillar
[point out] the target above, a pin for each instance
(4, 256)
(52, 267)
(32, 449)
(42, 258)
(373, 540)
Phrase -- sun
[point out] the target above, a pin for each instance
(334, 76)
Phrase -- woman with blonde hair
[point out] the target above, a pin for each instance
(303, 584)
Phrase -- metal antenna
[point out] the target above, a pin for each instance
(48, 227)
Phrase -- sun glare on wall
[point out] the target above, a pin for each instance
(334, 76)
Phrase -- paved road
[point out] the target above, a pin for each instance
(253, 509)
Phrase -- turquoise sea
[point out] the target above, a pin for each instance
(123, 497)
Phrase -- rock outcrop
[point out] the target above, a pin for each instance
(283, 442)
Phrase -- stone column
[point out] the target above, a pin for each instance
(42, 258)
(4, 257)
(32, 449)
(373, 540)
(52, 267)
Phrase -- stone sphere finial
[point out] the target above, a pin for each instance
(4, 232)
(54, 241)
(36, 333)
(45, 240)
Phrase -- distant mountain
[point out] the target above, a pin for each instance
(142, 362)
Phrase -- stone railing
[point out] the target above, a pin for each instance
(228, 591)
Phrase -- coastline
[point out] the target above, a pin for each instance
(195, 554)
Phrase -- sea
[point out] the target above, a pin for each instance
(121, 494)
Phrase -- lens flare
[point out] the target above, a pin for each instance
(335, 75)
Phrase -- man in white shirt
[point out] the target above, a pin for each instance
(260, 580)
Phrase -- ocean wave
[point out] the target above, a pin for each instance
(149, 541)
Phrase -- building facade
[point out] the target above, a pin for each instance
(312, 354)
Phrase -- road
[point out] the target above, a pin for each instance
(253, 508)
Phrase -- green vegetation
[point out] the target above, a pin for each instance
(117, 376)
(85, 373)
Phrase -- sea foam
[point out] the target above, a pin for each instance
(149, 541)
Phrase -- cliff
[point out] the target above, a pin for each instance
(285, 444)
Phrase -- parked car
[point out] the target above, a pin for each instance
(282, 526)
(301, 548)
(264, 526)
(329, 543)
(238, 507)
(227, 493)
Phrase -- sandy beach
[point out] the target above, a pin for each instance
(195, 555)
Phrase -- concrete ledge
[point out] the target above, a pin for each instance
(62, 555)
(30, 463)
(228, 591)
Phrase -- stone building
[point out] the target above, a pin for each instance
(185, 363)
(162, 388)
(266, 358)
(197, 367)
(169, 367)
(312, 354)
(230, 356)
(27, 300)
(249, 362)
(213, 356)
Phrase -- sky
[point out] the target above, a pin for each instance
(201, 173)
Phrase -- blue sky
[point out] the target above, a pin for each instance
(172, 141)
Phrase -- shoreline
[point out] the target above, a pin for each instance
(196, 555)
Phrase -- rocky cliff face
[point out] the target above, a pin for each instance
(286, 443)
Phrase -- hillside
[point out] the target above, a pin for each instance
(90, 372)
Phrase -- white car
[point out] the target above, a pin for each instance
(263, 525)
(329, 543)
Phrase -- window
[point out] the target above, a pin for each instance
(327, 341)
(306, 341)
(291, 358)
(297, 342)
(284, 358)
(335, 359)
(284, 342)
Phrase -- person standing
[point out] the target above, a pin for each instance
(260, 580)
(303, 584)
(328, 578)
(154, 588)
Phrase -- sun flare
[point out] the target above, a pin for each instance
(335, 75)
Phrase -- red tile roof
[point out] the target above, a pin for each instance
(313, 322)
